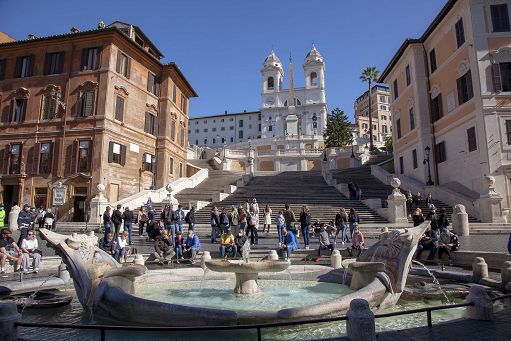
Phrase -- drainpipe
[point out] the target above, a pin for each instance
(436, 180)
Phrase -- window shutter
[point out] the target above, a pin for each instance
(35, 158)
(470, 90)
(119, 108)
(497, 79)
(52, 107)
(89, 156)
(157, 86)
(84, 59)
(50, 156)
(460, 91)
(123, 155)
(2, 69)
(47, 63)
(55, 149)
(118, 65)
(150, 81)
(31, 60)
(147, 122)
(6, 154)
(89, 103)
(110, 152)
(17, 69)
(155, 122)
(128, 68)
(61, 62)
(99, 52)
(153, 164)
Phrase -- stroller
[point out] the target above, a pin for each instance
(153, 230)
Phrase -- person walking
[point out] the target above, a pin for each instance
(251, 227)
(142, 220)
(127, 216)
(215, 222)
(117, 221)
(243, 219)
(107, 221)
(281, 225)
(234, 219)
(341, 223)
(180, 217)
(289, 216)
(305, 223)
(267, 218)
(190, 218)
(353, 219)
(224, 220)
(25, 223)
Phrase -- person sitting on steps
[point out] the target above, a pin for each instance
(163, 250)
(357, 242)
(324, 240)
(288, 245)
(227, 244)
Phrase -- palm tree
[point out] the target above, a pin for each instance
(370, 74)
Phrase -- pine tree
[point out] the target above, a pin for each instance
(338, 130)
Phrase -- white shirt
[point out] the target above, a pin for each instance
(29, 244)
(122, 243)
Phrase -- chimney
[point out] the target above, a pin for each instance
(245, 110)
(74, 30)
(32, 36)
(101, 24)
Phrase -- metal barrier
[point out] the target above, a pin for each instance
(103, 328)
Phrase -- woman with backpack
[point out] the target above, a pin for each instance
(305, 224)
(353, 219)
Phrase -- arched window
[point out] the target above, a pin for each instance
(271, 83)
(314, 79)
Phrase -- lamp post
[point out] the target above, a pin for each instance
(216, 142)
(427, 160)
(352, 152)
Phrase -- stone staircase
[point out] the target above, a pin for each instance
(296, 189)
(373, 188)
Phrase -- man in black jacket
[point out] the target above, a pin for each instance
(25, 223)
(190, 218)
(127, 216)
(117, 220)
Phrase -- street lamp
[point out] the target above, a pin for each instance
(427, 160)
(217, 139)
(352, 152)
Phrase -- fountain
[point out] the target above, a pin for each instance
(107, 289)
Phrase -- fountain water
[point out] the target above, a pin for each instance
(435, 280)
(30, 298)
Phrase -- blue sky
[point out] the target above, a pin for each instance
(220, 45)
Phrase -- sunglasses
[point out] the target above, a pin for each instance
(30, 234)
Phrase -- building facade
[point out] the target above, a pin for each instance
(85, 108)
(450, 99)
(381, 116)
(225, 129)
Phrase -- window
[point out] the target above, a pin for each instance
(395, 89)
(196, 122)
(214, 140)
(260, 126)
(205, 130)
(383, 117)
(119, 108)
(240, 123)
(184, 105)
(502, 76)
(223, 139)
(222, 120)
(231, 119)
(232, 139)
(196, 130)
(500, 18)
(15, 158)
(222, 128)
(441, 156)
(2, 69)
(401, 165)
(436, 108)
(205, 121)
(45, 156)
(86, 104)
(24, 66)
(91, 58)
(173, 130)
(249, 126)
(153, 84)
(271, 83)
(314, 79)
(408, 76)
(53, 63)
(240, 134)
(84, 155)
(197, 142)
(116, 153)
(465, 92)
(49, 106)
(432, 60)
(460, 33)
(384, 129)
(180, 169)
(414, 159)
(205, 141)
(270, 128)
(171, 163)
(182, 137)
(398, 128)
(123, 64)
(231, 128)
(508, 131)
(148, 162)
(20, 108)
(471, 137)
(151, 124)
(213, 129)
(383, 99)
(174, 93)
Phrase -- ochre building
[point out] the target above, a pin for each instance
(89, 107)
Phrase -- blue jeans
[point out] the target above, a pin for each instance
(179, 226)
(286, 250)
(179, 252)
(228, 248)
(127, 227)
(191, 226)
(305, 233)
(171, 228)
(352, 228)
(344, 236)
(108, 229)
(280, 231)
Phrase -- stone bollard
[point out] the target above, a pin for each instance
(483, 306)
(63, 273)
(205, 257)
(8, 315)
(139, 259)
(460, 221)
(74, 235)
(360, 321)
(505, 274)
(273, 255)
(336, 260)
(479, 269)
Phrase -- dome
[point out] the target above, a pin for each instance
(272, 60)
(313, 56)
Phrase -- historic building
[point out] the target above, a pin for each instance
(450, 101)
(215, 131)
(89, 107)
(381, 116)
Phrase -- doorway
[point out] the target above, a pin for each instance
(11, 194)
(79, 208)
